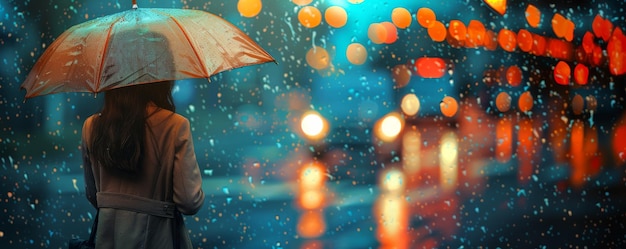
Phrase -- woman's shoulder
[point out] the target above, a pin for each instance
(167, 116)
(89, 120)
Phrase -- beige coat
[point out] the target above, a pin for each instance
(170, 173)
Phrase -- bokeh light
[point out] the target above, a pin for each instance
(336, 16)
(377, 33)
(313, 125)
(507, 39)
(581, 74)
(525, 102)
(524, 40)
(392, 181)
(449, 106)
(578, 104)
(448, 160)
(430, 67)
(619, 143)
(426, 17)
(562, 73)
(249, 8)
(389, 127)
(457, 30)
(437, 31)
(401, 17)
(302, 2)
(503, 102)
(497, 5)
(401, 75)
(310, 16)
(410, 104)
(514, 75)
(312, 176)
(356, 53)
(533, 16)
(391, 32)
(563, 27)
(318, 58)
(476, 33)
(311, 224)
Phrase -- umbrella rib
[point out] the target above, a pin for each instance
(188, 38)
(104, 52)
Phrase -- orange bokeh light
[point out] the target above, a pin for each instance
(449, 106)
(525, 40)
(617, 53)
(312, 176)
(533, 16)
(311, 224)
(491, 40)
(581, 74)
(401, 75)
(503, 102)
(578, 104)
(597, 56)
(514, 75)
(577, 155)
(391, 32)
(619, 143)
(312, 179)
(562, 73)
(310, 16)
(588, 42)
(602, 27)
(318, 58)
(356, 53)
(497, 5)
(249, 8)
(377, 33)
(525, 102)
(504, 140)
(437, 31)
(311, 199)
(507, 40)
(401, 17)
(539, 45)
(301, 2)
(336, 16)
(524, 150)
(563, 27)
(475, 33)
(559, 49)
(426, 17)
(457, 30)
(430, 67)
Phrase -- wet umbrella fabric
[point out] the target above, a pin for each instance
(141, 46)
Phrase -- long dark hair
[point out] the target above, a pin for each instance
(118, 134)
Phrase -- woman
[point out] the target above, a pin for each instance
(141, 168)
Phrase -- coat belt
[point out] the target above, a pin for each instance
(136, 204)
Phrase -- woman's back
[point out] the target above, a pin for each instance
(169, 173)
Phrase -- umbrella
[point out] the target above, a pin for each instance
(141, 45)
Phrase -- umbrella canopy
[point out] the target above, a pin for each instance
(141, 45)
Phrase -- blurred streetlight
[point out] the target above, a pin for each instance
(389, 127)
(410, 104)
(313, 126)
(448, 160)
